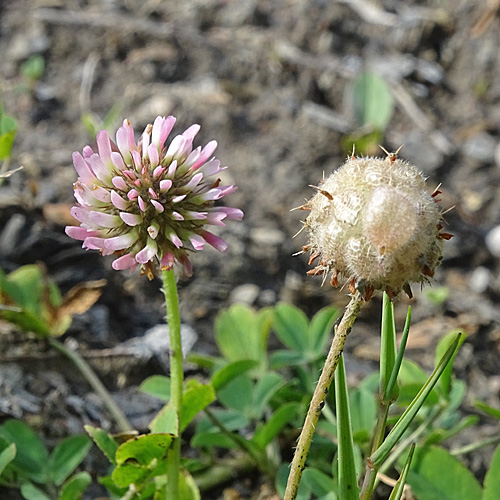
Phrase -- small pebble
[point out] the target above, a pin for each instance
(497, 155)
(492, 241)
(481, 147)
(267, 236)
(244, 294)
(480, 279)
(267, 297)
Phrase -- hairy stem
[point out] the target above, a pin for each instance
(341, 332)
(94, 382)
(176, 378)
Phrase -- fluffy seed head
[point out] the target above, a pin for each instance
(373, 225)
(147, 203)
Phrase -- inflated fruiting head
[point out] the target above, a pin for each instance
(373, 224)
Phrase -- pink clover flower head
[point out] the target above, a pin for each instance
(149, 203)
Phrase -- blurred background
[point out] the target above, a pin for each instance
(286, 87)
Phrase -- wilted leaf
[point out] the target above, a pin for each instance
(81, 298)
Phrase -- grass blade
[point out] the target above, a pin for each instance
(398, 489)
(388, 344)
(348, 484)
(391, 385)
(404, 421)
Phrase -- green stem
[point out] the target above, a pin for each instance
(475, 446)
(176, 378)
(404, 444)
(379, 432)
(94, 381)
(378, 438)
(371, 475)
(319, 396)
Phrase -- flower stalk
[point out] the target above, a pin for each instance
(176, 377)
(151, 204)
(318, 400)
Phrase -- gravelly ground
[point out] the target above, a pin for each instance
(271, 81)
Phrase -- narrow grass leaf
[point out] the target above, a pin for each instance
(445, 380)
(404, 421)
(387, 344)
(489, 410)
(390, 390)
(436, 436)
(398, 489)
(348, 484)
